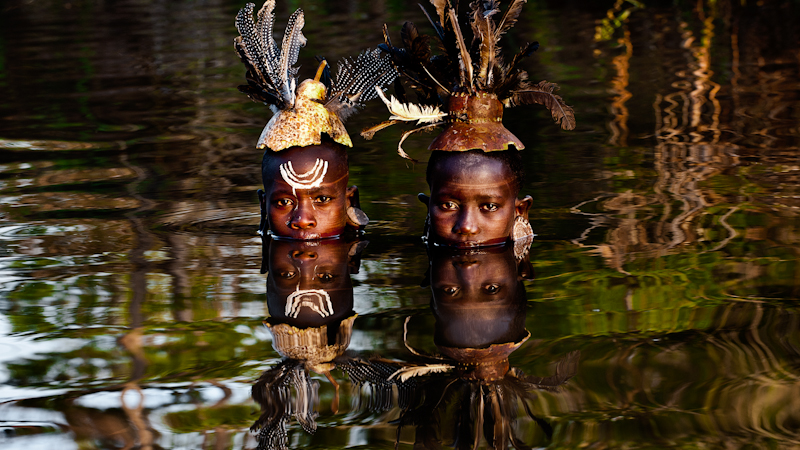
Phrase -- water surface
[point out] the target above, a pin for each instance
(131, 292)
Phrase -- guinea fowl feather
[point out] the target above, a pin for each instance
(293, 41)
(356, 81)
(270, 76)
(248, 42)
(266, 18)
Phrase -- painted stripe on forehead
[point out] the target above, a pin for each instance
(308, 180)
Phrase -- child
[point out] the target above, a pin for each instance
(307, 196)
(474, 198)
(474, 173)
(304, 168)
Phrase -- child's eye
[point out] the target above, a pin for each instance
(451, 290)
(283, 202)
(287, 274)
(450, 206)
(323, 199)
(492, 288)
(490, 207)
(325, 277)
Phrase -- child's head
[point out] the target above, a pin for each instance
(473, 199)
(306, 194)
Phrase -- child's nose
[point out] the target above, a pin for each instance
(303, 256)
(303, 218)
(467, 223)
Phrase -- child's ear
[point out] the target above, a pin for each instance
(523, 205)
(265, 244)
(525, 268)
(352, 197)
(424, 199)
(355, 216)
(354, 255)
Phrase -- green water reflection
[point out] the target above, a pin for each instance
(131, 292)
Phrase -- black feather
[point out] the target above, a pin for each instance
(543, 94)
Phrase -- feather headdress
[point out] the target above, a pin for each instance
(304, 112)
(466, 87)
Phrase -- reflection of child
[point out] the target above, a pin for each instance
(309, 285)
(304, 168)
(479, 304)
(478, 299)
(310, 302)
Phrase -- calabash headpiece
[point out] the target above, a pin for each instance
(302, 113)
(466, 88)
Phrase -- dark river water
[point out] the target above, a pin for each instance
(662, 309)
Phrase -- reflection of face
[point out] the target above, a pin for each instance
(472, 201)
(306, 192)
(309, 282)
(477, 298)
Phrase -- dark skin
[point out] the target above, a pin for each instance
(296, 210)
(473, 202)
(476, 297)
(305, 266)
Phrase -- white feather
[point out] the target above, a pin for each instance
(409, 372)
(409, 112)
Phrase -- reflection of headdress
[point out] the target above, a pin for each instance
(312, 345)
(471, 83)
(304, 112)
(483, 388)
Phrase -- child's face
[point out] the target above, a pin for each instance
(473, 202)
(307, 197)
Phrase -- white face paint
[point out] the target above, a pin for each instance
(315, 299)
(309, 180)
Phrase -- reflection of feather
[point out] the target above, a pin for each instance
(375, 373)
(542, 94)
(566, 368)
(417, 371)
(409, 112)
(273, 392)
